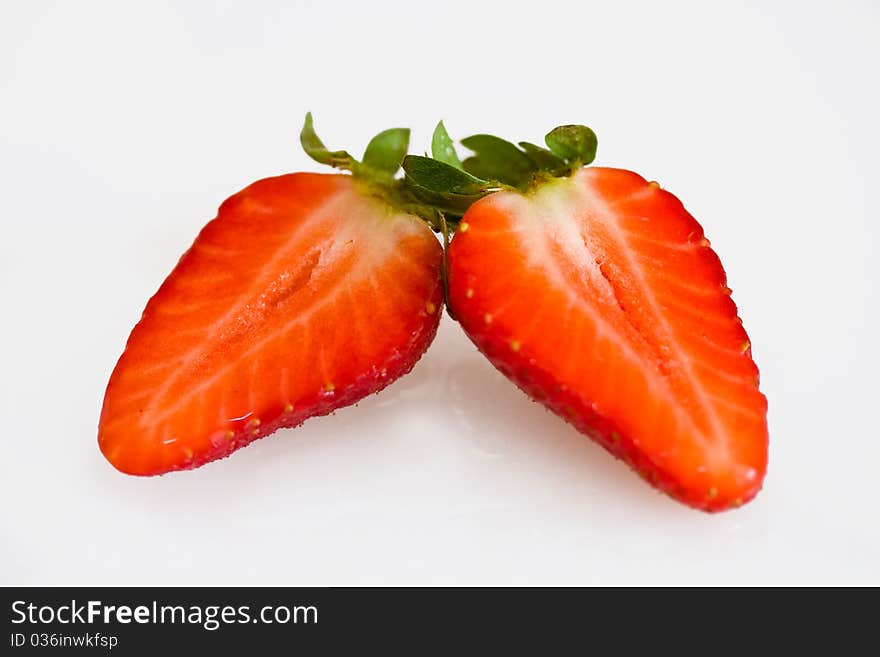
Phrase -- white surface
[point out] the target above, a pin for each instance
(124, 125)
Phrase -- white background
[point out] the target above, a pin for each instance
(124, 125)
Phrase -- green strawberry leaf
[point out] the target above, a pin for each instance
(497, 159)
(477, 167)
(454, 205)
(315, 149)
(542, 158)
(575, 144)
(386, 150)
(442, 147)
(442, 186)
(442, 178)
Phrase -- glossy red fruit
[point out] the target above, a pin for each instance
(305, 294)
(600, 297)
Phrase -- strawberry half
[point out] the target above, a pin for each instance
(596, 292)
(306, 293)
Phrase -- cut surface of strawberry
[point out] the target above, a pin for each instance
(599, 296)
(304, 294)
(592, 289)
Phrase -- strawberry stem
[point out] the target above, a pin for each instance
(444, 276)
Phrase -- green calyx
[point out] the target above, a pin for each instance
(377, 169)
(441, 188)
(381, 159)
(451, 185)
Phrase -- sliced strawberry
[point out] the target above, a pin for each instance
(305, 294)
(599, 296)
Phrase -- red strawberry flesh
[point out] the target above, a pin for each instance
(305, 294)
(599, 296)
